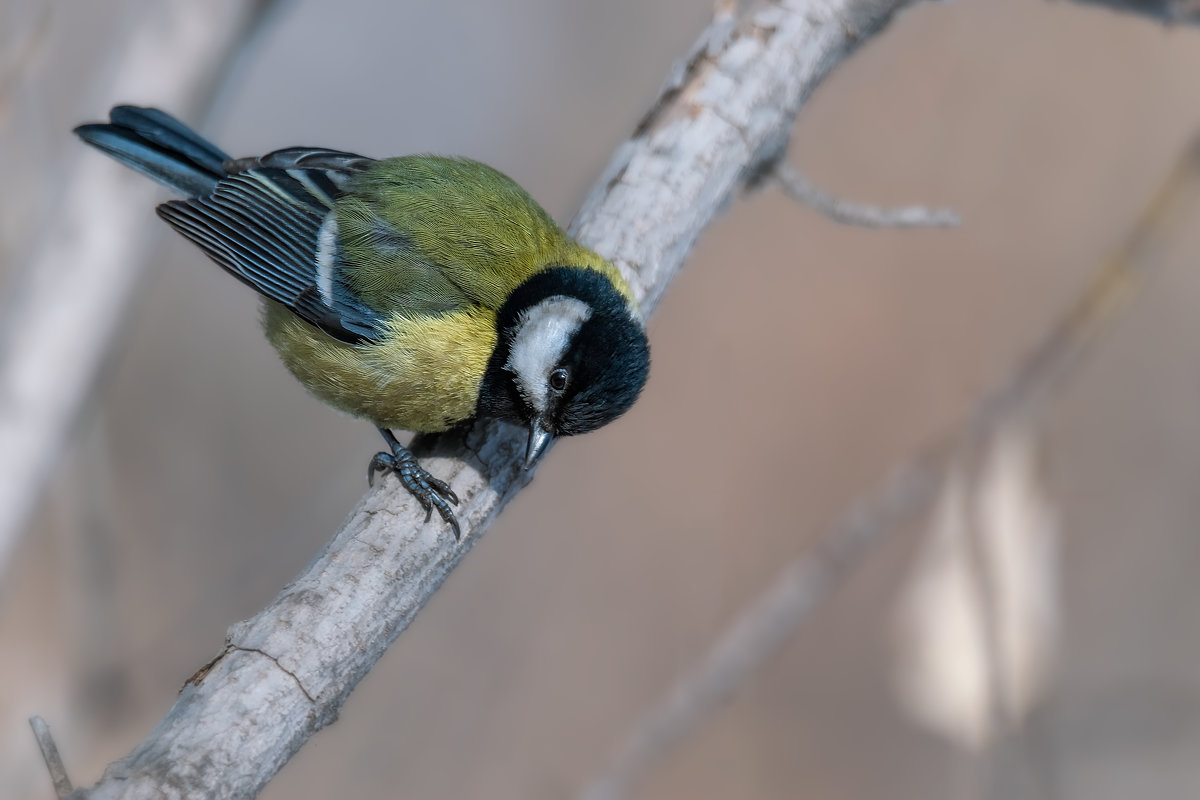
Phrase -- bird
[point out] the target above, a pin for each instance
(419, 292)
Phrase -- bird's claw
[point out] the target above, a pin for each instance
(429, 491)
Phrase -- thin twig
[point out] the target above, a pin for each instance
(53, 759)
(808, 582)
(799, 188)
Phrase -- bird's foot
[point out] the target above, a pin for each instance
(430, 492)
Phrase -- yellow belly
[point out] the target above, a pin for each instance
(423, 376)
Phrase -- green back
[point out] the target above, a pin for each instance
(427, 234)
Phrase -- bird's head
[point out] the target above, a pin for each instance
(571, 356)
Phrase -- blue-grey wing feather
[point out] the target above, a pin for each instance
(259, 218)
(263, 224)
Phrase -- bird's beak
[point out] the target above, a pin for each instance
(539, 437)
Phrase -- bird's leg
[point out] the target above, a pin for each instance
(430, 492)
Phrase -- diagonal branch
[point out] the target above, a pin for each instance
(803, 586)
(284, 674)
(768, 623)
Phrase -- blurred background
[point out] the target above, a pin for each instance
(811, 356)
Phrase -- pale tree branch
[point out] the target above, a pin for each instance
(69, 298)
(19, 61)
(726, 111)
(804, 585)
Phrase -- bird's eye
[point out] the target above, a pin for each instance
(558, 380)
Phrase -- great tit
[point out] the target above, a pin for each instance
(417, 292)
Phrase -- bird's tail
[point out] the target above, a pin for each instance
(160, 146)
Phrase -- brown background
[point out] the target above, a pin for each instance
(795, 360)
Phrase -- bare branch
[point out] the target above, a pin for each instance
(804, 585)
(799, 188)
(54, 762)
(82, 271)
(285, 673)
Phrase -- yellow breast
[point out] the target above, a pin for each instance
(424, 375)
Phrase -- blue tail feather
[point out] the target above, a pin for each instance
(159, 146)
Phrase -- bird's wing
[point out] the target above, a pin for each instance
(271, 222)
(426, 235)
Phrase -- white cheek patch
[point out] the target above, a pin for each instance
(326, 250)
(542, 335)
